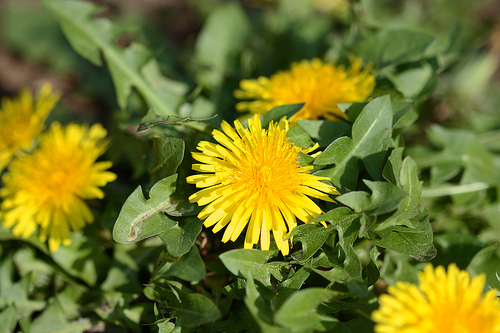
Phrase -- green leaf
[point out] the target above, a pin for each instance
(312, 237)
(53, 320)
(82, 259)
(222, 37)
(189, 267)
(8, 318)
(412, 81)
(343, 220)
(192, 310)
(323, 131)
(300, 312)
(385, 198)
(292, 284)
(167, 156)
(180, 237)
(93, 38)
(392, 169)
(415, 242)
(259, 308)
(280, 111)
(242, 261)
(140, 218)
(487, 261)
(299, 137)
(456, 247)
(391, 47)
(371, 134)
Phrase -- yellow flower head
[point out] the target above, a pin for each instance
(320, 86)
(253, 177)
(443, 302)
(46, 189)
(22, 120)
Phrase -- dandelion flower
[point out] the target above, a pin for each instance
(443, 302)
(22, 120)
(252, 177)
(47, 189)
(320, 86)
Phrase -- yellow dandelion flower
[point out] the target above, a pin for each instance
(22, 120)
(443, 302)
(320, 86)
(253, 177)
(46, 189)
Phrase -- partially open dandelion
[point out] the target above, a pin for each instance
(47, 189)
(443, 302)
(320, 86)
(22, 120)
(252, 177)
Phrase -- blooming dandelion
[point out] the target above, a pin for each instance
(320, 86)
(443, 302)
(47, 189)
(252, 177)
(22, 120)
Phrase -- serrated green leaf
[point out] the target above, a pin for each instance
(241, 261)
(371, 134)
(344, 221)
(189, 267)
(280, 111)
(180, 237)
(415, 242)
(299, 312)
(140, 218)
(312, 237)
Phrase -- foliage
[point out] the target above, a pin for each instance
(417, 166)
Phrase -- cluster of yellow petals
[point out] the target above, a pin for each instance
(443, 301)
(319, 85)
(45, 190)
(252, 177)
(22, 119)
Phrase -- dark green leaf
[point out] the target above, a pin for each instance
(167, 156)
(416, 242)
(371, 134)
(192, 310)
(280, 111)
(259, 308)
(181, 237)
(323, 131)
(456, 247)
(312, 237)
(189, 267)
